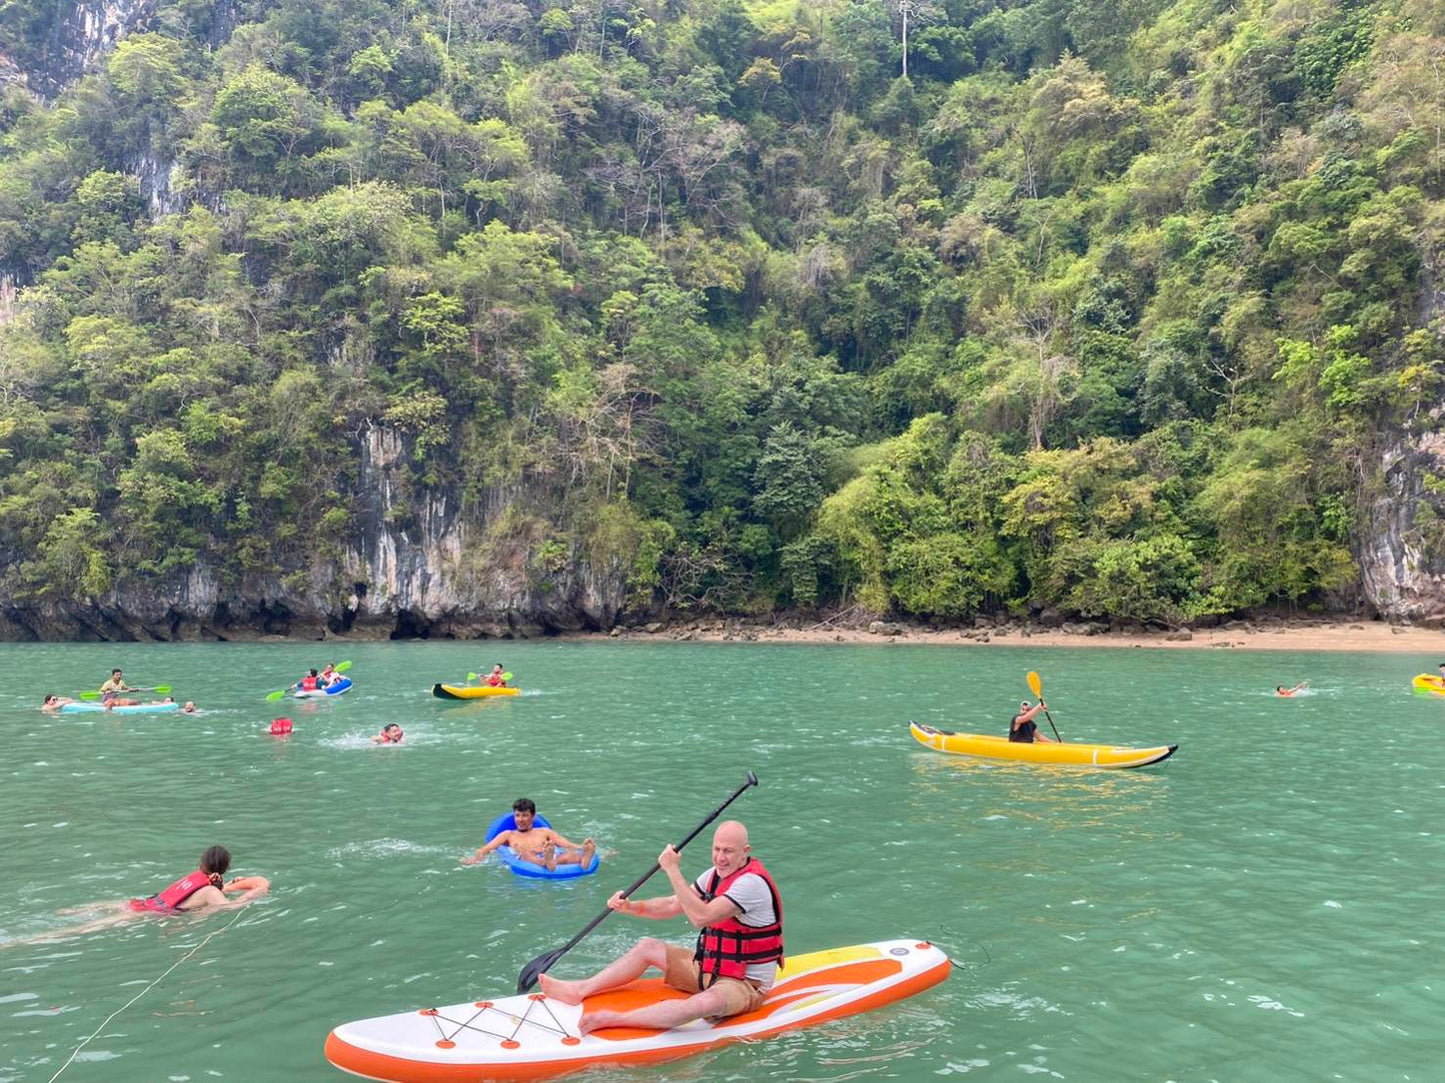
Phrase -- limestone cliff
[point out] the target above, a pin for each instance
(1402, 554)
(429, 572)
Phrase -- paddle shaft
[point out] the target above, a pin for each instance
(1036, 685)
(526, 980)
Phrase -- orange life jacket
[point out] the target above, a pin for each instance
(171, 898)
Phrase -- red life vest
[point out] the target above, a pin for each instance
(172, 897)
(495, 680)
(727, 949)
(308, 684)
(280, 727)
(388, 739)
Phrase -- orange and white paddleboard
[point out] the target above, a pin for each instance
(535, 1037)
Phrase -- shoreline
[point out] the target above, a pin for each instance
(1355, 636)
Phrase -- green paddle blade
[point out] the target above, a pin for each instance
(161, 688)
(343, 667)
(274, 696)
(471, 676)
(506, 676)
(90, 695)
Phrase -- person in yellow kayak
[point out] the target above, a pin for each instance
(736, 907)
(539, 845)
(494, 679)
(1022, 729)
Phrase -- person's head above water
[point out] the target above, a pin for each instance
(215, 861)
(524, 811)
(189, 707)
(50, 697)
(393, 729)
(115, 673)
(730, 849)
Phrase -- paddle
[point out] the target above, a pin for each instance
(157, 688)
(477, 676)
(542, 963)
(272, 697)
(1037, 686)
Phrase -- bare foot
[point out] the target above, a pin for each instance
(589, 850)
(590, 1021)
(549, 856)
(563, 992)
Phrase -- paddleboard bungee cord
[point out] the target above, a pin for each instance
(206, 940)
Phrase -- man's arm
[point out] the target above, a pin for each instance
(689, 901)
(482, 852)
(658, 909)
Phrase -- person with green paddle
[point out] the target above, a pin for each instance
(496, 678)
(312, 681)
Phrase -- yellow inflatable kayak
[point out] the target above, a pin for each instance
(471, 691)
(1429, 682)
(1001, 748)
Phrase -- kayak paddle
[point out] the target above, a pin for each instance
(542, 963)
(272, 697)
(158, 688)
(1037, 686)
(477, 676)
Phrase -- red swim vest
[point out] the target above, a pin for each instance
(280, 727)
(388, 739)
(727, 949)
(308, 684)
(495, 680)
(171, 898)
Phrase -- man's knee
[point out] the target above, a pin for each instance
(653, 950)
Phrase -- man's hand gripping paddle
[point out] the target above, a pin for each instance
(543, 963)
(1038, 689)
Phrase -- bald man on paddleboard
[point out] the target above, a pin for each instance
(739, 950)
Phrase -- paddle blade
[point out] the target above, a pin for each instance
(274, 696)
(343, 667)
(506, 676)
(161, 688)
(471, 676)
(535, 969)
(90, 695)
(1035, 684)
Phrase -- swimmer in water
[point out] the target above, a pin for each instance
(390, 735)
(1281, 690)
(53, 702)
(204, 889)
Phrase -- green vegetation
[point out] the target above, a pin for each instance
(1106, 307)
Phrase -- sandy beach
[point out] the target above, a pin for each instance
(1271, 635)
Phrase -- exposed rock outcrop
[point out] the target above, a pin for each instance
(1402, 553)
(430, 573)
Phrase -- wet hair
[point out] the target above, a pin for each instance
(391, 726)
(312, 672)
(498, 665)
(216, 859)
(114, 672)
(50, 697)
(524, 804)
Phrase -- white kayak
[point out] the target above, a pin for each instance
(535, 1037)
(139, 708)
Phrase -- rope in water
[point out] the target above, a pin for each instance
(76, 1052)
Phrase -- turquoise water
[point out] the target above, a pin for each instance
(1262, 906)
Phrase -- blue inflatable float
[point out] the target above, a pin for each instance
(522, 867)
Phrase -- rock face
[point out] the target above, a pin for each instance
(430, 574)
(1402, 554)
(80, 32)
